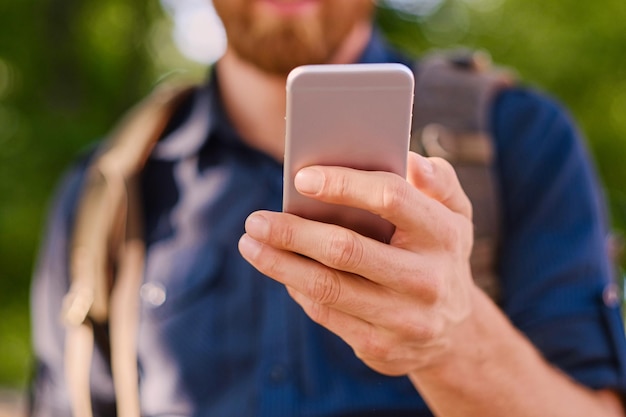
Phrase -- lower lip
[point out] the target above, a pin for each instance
(289, 8)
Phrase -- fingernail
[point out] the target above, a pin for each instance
(249, 247)
(257, 226)
(309, 180)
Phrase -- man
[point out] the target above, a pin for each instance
(404, 330)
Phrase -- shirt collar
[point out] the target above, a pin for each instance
(189, 128)
(379, 50)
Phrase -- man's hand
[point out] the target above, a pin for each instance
(411, 307)
(398, 305)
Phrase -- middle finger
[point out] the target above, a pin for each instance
(342, 249)
(328, 288)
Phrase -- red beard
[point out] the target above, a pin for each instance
(278, 43)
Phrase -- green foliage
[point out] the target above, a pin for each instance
(66, 72)
(571, 49)
(68, 69)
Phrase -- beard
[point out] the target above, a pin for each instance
(277, 44)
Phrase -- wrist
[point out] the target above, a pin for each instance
(483, 336)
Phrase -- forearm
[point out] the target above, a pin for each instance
(495, 371)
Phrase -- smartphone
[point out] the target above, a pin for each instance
(353, 115)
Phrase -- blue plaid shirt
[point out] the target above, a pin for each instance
(216, 338)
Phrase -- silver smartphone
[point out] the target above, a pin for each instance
(356, 116)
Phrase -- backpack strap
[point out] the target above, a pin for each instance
(453, 98)
(107, 254)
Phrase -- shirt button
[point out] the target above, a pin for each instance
(153, 294)
(611, 296)
(278, 373)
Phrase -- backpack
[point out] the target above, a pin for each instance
(453, 96)
(454, 92)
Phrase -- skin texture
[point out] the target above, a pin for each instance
(406, 308)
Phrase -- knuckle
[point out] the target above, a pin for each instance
(417, 328)
(449, 235)
(394, 196)
(444, 168)
(338, 186)
(375, 349)
(284, 235)
(422, 281)
(409, 326)
(324, 288)
(431, 288)
(453, 238)
(344, 250)
(447, 167)
(318, 313)
(421, 333)
(466, 207)
(461, 239)
(466, 234)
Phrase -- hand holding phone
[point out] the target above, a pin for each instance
(356, 116)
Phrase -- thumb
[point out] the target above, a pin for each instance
(436, 178)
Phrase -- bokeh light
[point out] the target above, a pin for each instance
(198, 32)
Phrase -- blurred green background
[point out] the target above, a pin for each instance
(69, 68)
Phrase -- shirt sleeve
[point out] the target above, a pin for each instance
(49, 394)
(557, 281)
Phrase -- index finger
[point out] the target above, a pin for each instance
(388, 195)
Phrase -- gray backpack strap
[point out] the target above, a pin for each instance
(453, 97)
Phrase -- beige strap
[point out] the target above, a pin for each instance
(107, 241)
(78, 352)
(124, 315)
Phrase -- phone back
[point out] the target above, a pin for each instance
(356, 116)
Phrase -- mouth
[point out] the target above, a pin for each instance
(289, 7)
